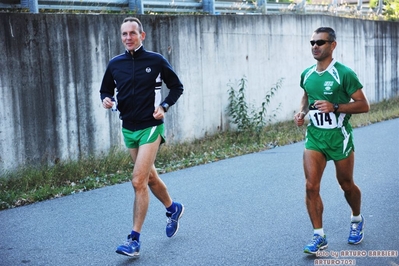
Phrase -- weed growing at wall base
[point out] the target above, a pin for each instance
(29, 185)
(248, 117)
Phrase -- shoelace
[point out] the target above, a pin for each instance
(317, 240)
(355, 229)
(128, 241)
(169, 220)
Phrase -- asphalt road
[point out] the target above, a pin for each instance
(247, 210)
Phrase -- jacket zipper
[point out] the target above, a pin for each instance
(133, 75)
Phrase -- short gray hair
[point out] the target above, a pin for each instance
(330, 31)
(133, 19)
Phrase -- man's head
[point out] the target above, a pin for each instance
(323, 43)
(132, 33)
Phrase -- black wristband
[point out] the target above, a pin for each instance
(336, 106)
(165, 106)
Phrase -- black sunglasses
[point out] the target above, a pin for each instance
(319, 42)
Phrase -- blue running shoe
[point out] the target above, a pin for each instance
(356, 234)
(131, 248)
(318, 243)
(173, 220)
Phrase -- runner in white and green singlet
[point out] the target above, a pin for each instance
(332, 93)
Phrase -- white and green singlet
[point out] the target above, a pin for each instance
(336, 84)
(330, 133)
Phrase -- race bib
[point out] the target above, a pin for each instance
(323, 120)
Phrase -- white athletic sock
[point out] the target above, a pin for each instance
(356, 219)
(318, 231)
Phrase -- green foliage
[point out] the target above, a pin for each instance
(238, 108)
(373, 3)
(248, 117)
(390, 9)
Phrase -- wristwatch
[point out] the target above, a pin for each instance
(165, 106)
(336, 106)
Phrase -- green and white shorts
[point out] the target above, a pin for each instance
(336, 144)
(134, 139)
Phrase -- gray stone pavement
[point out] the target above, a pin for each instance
(247, 210)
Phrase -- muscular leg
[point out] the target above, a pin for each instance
(314, 164)
(344, 171)
(158, 188)
(143, 158)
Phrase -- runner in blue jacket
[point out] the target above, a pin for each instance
(136, 78)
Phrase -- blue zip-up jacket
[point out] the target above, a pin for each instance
(138, 80)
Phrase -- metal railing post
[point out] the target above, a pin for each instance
(359, 5)
(33, 6)
(136, 5)
(262, 6)
(208, 6)
(334, 5)
(380, 7)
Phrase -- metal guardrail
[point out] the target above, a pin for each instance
(157, 6)
(212, 7)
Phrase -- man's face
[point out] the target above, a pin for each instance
(321, 52)
(131, 36)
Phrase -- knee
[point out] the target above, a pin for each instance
(152, 180)
(312, 189)
(347, 186)
(138, 182)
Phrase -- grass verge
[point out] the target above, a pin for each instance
(27, 185)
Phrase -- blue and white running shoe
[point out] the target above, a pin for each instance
(131, 248)
(356, 234)
(173, 220)
(318, 243)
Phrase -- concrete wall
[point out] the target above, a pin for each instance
(51, 68)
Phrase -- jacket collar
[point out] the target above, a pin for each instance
(136, 52)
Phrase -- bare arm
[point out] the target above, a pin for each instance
(299, 117)
(360, 104)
